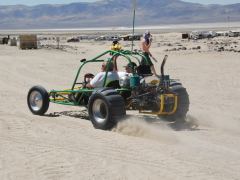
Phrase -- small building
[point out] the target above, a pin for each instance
(28, 41)
(12, 42)
(4, 40)
(234, 33)
(185, 36)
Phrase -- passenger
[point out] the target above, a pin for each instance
(98, 80)
(129, 69)
(145, 46)
(116, 46)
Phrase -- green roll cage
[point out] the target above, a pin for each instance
(62, 96)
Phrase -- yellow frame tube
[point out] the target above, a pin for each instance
(161, 110)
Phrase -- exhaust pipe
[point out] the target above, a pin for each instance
(164, 79)
(163, 64)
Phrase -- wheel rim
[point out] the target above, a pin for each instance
(36, 100)
(100, 111)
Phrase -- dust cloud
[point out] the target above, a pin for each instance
(143, 127)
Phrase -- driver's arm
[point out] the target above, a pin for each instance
(89, 86)
(96, 81)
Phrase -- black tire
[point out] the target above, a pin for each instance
(183, 103)
(105, 108)
(174, 84)
(38, 100)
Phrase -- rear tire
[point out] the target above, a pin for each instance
(105, 108)
(38, 100)
(182, 106)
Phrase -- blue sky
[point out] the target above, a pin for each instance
(34, 2)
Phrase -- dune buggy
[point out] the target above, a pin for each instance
(162, 96)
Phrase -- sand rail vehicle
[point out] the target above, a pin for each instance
(162, 96)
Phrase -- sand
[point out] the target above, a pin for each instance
(64, 145)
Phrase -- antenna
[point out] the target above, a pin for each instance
(134, 12)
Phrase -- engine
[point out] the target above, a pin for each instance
(143, 95)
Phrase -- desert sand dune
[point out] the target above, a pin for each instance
(64, 145)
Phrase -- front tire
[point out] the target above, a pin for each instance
(105, 108)
(38, 100)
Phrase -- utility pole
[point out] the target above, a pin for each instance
(134, 13)
(58, 41)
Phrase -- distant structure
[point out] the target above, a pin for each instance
(107, 38)
(185, 36)
(234, 33)
(4, 40)
(210, 34)
(12, 42)
(130, 37)
(27, 42)
(199, 35)
(58, 42)
(74, 39)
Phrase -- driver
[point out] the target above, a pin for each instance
(98, 80)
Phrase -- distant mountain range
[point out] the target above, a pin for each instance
(114, 13)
